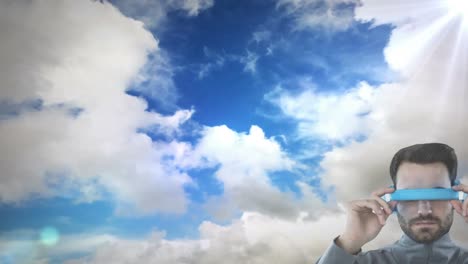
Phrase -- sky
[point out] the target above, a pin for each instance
(215, 131)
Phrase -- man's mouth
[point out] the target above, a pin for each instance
(424, 223)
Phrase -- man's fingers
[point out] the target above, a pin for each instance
(368, 204)
(376, 204)
(383, 191)
(461, 187)
(383, 204)
(457, 205)
(465, 207)
(379, 193)
(375, 207)
(376, 196)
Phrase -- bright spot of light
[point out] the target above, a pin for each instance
(49, 236)
(458, 6)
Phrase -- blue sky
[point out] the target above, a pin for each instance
(191, 123)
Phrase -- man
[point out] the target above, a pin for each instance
(425, 223)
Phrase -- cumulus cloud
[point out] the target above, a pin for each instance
(254, 238)
(331, 15)
(81, 138)
(25, 246)
(155, 80)
(334, 116)
(244, 163)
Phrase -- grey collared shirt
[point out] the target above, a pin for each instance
(404, 250)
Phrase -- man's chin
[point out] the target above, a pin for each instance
(424, 235)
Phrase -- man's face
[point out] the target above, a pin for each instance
(424, 221)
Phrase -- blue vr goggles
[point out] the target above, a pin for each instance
(425, 194)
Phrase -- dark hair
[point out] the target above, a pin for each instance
(424, 154)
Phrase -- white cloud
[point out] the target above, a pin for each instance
(261, 36)
(154, 80)
(254, 238)
(216, 61)
(431, 24)
(250, 62)
(263, 40)
(153, 13)
(327, 115)
(84, 61)
(24, 246)
(331, 15)
(400, 12)
(246, 162)
(193, 7)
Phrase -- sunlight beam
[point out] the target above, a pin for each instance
(458, 6)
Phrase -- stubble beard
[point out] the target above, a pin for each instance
(426, 235)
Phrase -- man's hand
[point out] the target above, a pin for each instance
(365, 219)
(461, 208)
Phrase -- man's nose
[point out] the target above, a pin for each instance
(424, 207)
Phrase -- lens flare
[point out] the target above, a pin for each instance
(49, 236)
